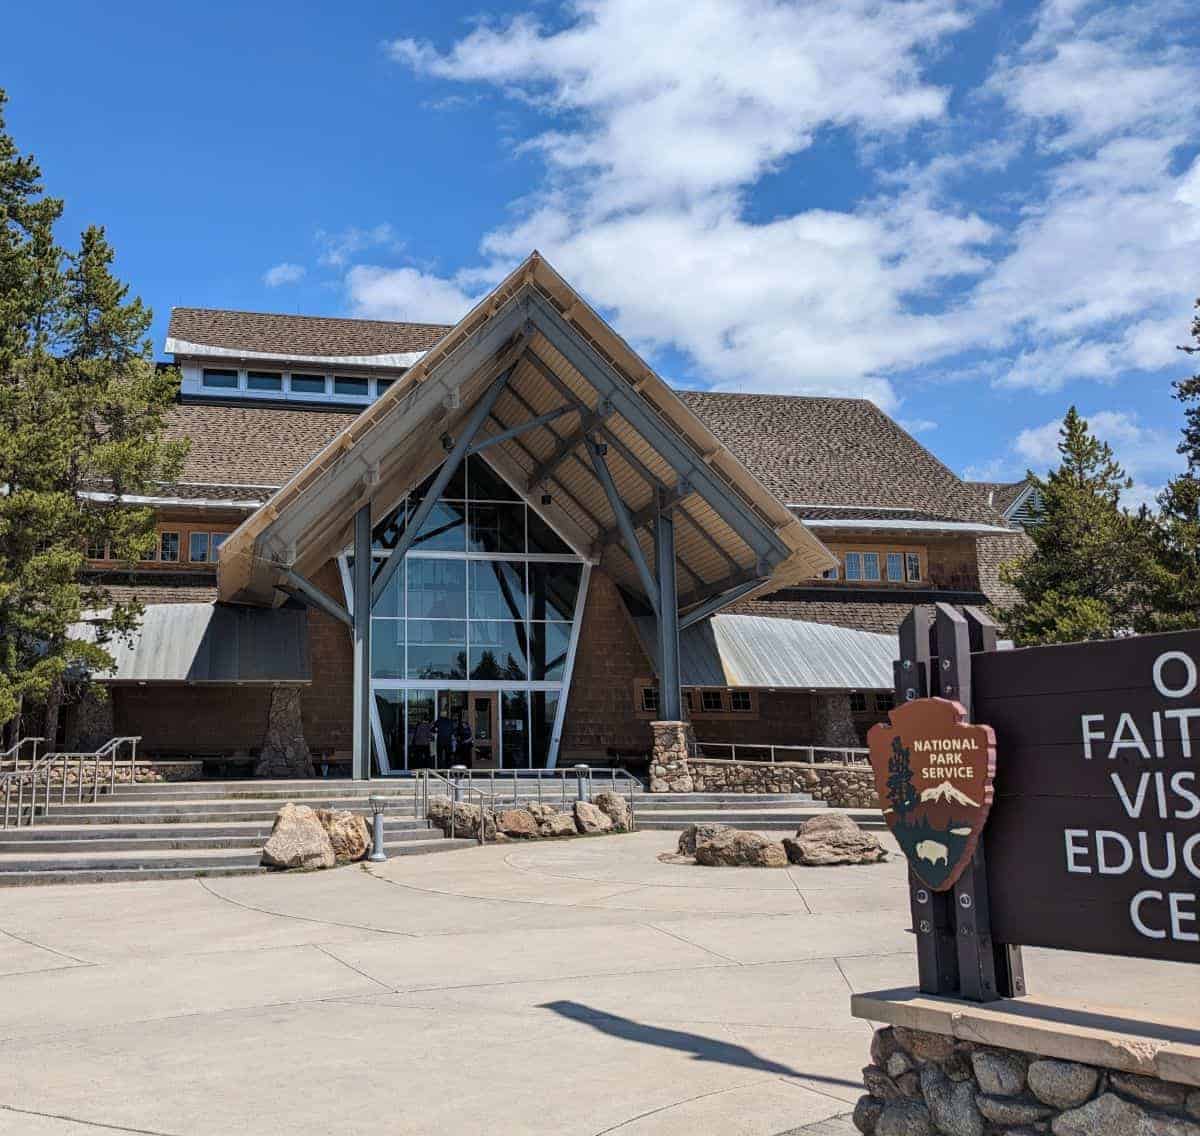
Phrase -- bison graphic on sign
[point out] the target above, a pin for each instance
(934, 773)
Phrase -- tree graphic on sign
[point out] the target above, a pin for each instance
(901, 794)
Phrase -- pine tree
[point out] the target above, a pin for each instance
(82, 411)
(901, 794)
(1086, 577)
(1174, 602)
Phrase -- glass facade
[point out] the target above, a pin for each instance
(481, 615)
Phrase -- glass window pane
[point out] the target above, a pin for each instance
(514, 732)
(548, 644)
(497, 528)
(387, 648)
(218, 539)
(355, 387)
(542, 538)
(437, 589)
(214, 379)
(543, 708)
(913, 560)
(456, 488)
(553, 590)
(390, 704)
(853, 565)
(497, 589)
(198, 547)
(264, 381)
(485, 484)
(446, 631)
(895, 566)
(421, 714)
(390, 605)
(388, 532)
(436, 661)
(498, 650)
(444, 529)
(170, 547)
(871, 565)
(308, 384)
(382, 385)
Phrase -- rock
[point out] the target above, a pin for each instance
(898, 1063)
(951, 1104)
(616, 808)
(909, 1084)
(517, 822)
(879, 1084)
(298, 840)
(924, 1046)
(883, 1045)
(1149, 1090)
(866, 1115)
(833, 839)
(539, 811)
(1011, 1109)
(1109, 1115)
(560, 824)
(904, 1118)
(589, 818)
(348, 833)
(999, 1074)
(1063, 1084)
(694, 833)
(736, 849)
(466, 818)
(1192, 1104)
(284, 753)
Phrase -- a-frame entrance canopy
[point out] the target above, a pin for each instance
(568, 413)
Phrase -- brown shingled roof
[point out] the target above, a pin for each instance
(992, 552)
(835, 451)
(1003, 493)
(278, 334)
(880, 617)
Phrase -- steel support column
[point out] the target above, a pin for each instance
(670, 697)
(361, 767)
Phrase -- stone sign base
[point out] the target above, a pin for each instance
(1023, 1066)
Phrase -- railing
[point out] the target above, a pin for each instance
(40, 774)
(455, 793)
(585, 778)
(846, 755)
(12, 756)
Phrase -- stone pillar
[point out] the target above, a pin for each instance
(674, 743)
(285, 752)
(90, 721)
(833, 724)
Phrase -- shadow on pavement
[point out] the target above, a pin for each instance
(701, 1047)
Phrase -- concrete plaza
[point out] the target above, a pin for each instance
(573, 987)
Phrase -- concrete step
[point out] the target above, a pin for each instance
(49, 832)
(755, 820)
(165, 838)
(105, 810)
(112, 868)
(257, 790)
(737, 800)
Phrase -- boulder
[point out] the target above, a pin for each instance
(1149, 1090)
(560, 824)
(866, 1114)
(1012, 1111)
(904, 1118)
(466, 818)
(298, 840)
(833, 839)
(1109, 1115)
(733, 848)
(517, 822)
(1062, 1084)
(590, 819)
(348, 833)
(998, 1074)
(694, 833)
(951, 1104)
(615, 807)
(539, 811)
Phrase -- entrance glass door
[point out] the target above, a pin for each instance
(485, 752)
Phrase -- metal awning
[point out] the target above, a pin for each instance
(210, 643)
(576, 421)
(759, 651)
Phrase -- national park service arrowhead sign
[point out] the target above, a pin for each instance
(933, 773)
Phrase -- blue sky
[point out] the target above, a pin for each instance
(974, 213)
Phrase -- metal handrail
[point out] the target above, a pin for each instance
(426, 774)
(13, 754)
(850, 755)
(17, 780)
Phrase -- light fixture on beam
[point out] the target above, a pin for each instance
(447, 442)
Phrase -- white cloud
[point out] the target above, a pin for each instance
(285, 273)
(405, 294)
(339, 248)
(918, 425)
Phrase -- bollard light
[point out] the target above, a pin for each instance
(582, 775)
(456, 775)
(378, 805)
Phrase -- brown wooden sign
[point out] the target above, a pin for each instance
(933, 774)
(1094, 837)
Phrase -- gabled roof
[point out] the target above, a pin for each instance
(538, 349)
(836, 456)
(1001, 495)
(202, 331)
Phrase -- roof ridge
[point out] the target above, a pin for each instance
(299, 316)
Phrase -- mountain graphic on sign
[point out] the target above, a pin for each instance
(945, 792)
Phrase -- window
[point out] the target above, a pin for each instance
(884, 701)
(264, 381)
(198, 547)
(218, 539)
(382, 385)
(871, 565)
(308, 384)
(858, 702)
(650, 699)
(854, 566)
(711, 701)
(912, 561)
(356, 388)
(97, 551)
(740, 701)
(895, 567)
(168, 545)
(829, 574)
(213, 379)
